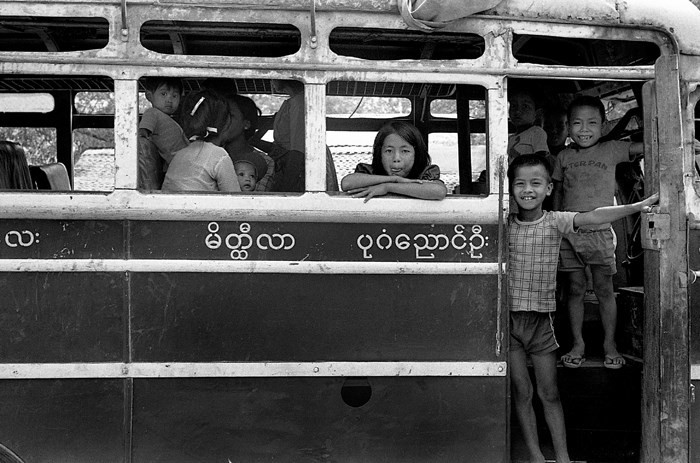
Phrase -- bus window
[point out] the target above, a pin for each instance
(357, 110)
(52, 34)
(582, 52)
(387, 44)
(220, 39)
(443, 146)
(36, 118)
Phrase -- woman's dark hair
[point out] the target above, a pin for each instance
(204, 113)
(14, 171)
(531, 159)
(587, 101)
(412, 135)
(250, 112)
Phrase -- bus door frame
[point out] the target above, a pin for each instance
(665, 380)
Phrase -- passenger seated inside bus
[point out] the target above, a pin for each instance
(554, 125)
(159, 127)
(400, 165)
(14, 170)
(289, 127)
(584, 178)
(525, 113)
(204, 165)
(239, 147)
(249, 168)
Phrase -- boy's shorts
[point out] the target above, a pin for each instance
(532, 332)
(588, 247)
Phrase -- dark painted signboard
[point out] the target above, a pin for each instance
(172, 314)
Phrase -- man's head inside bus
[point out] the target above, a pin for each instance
(164, 93)
(524, 107)
(586, 116)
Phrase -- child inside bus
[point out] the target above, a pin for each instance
(204, 165)
(157, 123)
(249, 168)
(400, 165)
(534, 237)
(524, 111)
(554, 125)
(239, 147)
(14, 171)
(584, 178)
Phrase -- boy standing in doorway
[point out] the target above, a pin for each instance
(584, 178)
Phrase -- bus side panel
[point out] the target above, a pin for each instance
(694, 295)
(62, 317)
(694, 304)
(78, 421)
(406, 419)
(195, 317)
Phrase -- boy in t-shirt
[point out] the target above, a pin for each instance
(157, 123)
(534, 236)
(584, 178)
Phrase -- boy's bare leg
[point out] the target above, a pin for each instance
(576, 291)
(604, 291)
(522, 398)
(546, 378)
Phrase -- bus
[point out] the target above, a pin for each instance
(302, 324)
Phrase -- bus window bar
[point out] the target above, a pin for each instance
(245, 266)
(248, 369)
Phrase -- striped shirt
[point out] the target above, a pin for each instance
(533, 253)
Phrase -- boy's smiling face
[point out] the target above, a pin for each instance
(585, 126)
(531, 185)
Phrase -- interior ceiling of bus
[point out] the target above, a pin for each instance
(239, 39)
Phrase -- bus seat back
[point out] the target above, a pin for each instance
(52, 176)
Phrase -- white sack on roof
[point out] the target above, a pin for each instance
(680, 16)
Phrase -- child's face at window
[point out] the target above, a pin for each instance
(585, 126)
(246, 176)
(398, 156)
(522, 110)
(165, 98)
(531, 186)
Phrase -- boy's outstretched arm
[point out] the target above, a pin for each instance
(612, 213)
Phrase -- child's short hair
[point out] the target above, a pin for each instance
(203, 113)
(532, 159)
(250, 112)
(412, 135)
(151, 84)
(586, 101)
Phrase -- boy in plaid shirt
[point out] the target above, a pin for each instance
(534, 237)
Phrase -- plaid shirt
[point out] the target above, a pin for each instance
(533, 253)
